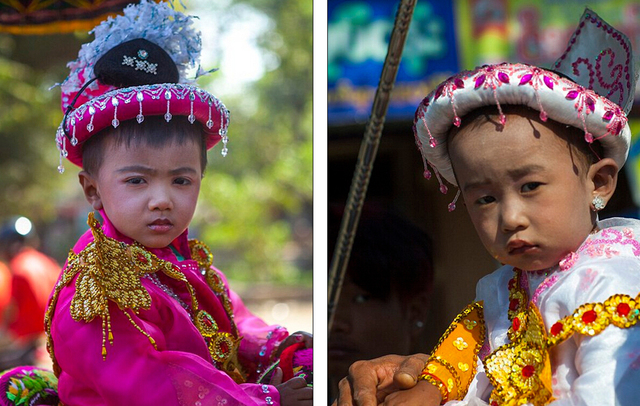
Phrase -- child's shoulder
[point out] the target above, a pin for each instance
(606, 265)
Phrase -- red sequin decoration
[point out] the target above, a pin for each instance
(142, 259)
(224, 347)
(623, 309)
(556, 329)
(589, 316)
(513, 304)
(528, 371)
(516, 324)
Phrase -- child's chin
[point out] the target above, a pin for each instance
(155, 243)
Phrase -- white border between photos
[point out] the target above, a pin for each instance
(320, 207)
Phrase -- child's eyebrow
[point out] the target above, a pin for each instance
(184, 169)
(515, 174)
(149, 170)
(522, 171)
(136, 168)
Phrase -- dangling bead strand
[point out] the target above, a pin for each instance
(452, 205)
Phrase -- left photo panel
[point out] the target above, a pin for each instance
(156, 234)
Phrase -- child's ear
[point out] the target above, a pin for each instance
(90, 188)
(604, 176)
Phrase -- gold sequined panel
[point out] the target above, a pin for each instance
(520, 371)
(452, 364)
(222, 346)
(203, 256)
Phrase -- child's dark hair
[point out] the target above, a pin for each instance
(588, 154)
(154, 131)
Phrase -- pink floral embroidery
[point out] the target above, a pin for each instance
(587, 280)
(493, 76)
(585, 103)
(603, 245)
(565, 264)
(616, 117)
(543, 287)
(568, 261)
(536, 78)
(447, 88)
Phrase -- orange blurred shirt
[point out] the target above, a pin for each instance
(33, 278)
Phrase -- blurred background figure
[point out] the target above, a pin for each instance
(385, 299)
(30, 281)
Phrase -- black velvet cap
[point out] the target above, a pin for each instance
(134, 63)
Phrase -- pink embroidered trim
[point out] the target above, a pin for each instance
(602, 246)
(535, 78)
(592, 247)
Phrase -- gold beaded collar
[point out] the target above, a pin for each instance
(97, 284)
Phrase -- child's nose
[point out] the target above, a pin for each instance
(160, 200)
(513, 217)
(341, 320)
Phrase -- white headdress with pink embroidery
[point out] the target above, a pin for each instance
(590, 87)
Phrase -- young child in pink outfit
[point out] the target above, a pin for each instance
(140, 315)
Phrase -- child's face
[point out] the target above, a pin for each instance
(148, 193)
(527, 194)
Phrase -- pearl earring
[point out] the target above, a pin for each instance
(598, 203)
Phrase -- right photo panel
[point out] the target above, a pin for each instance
(483, 195)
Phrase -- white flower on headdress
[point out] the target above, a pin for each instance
(155, 22)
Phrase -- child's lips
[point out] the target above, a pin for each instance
(520, 247)
(161, 225)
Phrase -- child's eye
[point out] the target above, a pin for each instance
(486, 200)
(182, 181)
(531, 186)
(362, 298)
(135, 181)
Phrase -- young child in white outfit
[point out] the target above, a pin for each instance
(535, 154)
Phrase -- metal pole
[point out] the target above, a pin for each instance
(367, 154)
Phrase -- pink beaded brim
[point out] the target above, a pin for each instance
(594, 93)
(136, 103)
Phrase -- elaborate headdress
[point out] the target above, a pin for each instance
(590, 87)
(135, 67)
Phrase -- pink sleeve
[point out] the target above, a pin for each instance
(259, 339)
(134, 371)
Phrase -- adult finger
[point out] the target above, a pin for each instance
(344, 394)
(407, 374)
(364, 383)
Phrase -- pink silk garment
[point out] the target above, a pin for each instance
(180, 371)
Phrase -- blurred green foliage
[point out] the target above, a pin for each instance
(255, 208)
(256, 204)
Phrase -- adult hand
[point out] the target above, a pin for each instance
(422, 394)
(370, 382)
